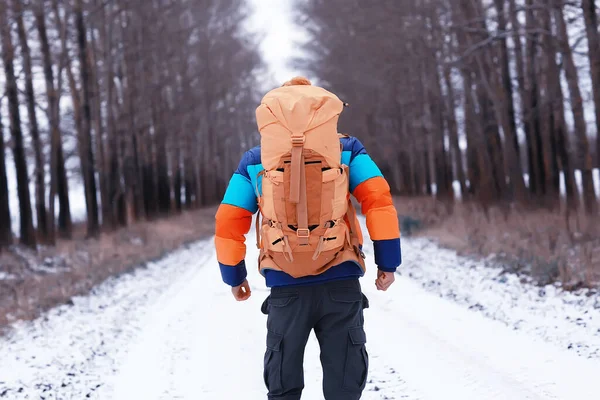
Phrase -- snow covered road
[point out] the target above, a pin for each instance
(173, 331)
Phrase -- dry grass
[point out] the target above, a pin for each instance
(548, 246)
(53, 275)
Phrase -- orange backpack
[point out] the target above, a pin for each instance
(308, 221)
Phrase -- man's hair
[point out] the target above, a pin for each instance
(298, 81)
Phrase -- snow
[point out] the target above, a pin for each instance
(448, 328)
(568, 320)
(70, 351)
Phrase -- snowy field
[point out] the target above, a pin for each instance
(450, 328)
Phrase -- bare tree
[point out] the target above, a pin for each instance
(554, 103)
(452, 60)
(40, 183)
(149, 104)
(5, 221)
(591, 28)
(27, 236)
(572, 77)
(58, 176)
(86, 152)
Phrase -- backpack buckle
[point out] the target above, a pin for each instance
(298, 141)
(303, 233)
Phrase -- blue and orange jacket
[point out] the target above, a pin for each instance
(367, 185)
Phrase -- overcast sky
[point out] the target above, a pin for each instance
(274, 19)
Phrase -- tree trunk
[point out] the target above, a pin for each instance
(583, 147)
(537, 172)
(87, 153)
(487, 135)
(40, 183)
(65, 224)
(443, 174)
(57, 168)
(27, 236)
(492, 144)
(425, 162)
(523, 94)
(474, 149)
(163, 185)
(115, 186)
(453, 132)
(177, 176)
(548, 121)
(102, 150)
(62, 27)
(591, 29)
(558, 125)
(133, 159)
(5, 220)
(506, 77)
(507, 113)
(113, 173)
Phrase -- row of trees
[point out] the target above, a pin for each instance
(483, 92)
(154, 98)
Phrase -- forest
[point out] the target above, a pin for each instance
(499, 97)
(147, 103)
(482, 114)
(490, 108)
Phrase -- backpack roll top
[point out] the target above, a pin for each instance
(307, 112)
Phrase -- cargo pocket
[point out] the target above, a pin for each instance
(264, 308)
(345, 295)
(365, 302)
(357, 361)
(282, 299)
(273, 363)
(277, 301)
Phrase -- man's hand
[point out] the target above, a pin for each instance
(242, 292)
(384, 280)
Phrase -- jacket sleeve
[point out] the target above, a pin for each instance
(233, 222)
(372, 191)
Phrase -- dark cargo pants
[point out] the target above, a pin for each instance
(335, 311)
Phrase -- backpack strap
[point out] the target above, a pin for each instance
(296, 164)
(302, 210)
(351, 213)
(258, 238)
(352, 218)
(298, 188)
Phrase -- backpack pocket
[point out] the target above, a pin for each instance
(313, 175)
(334, 198)
(273, 239)
(334, 238)
(333, 241)
(273, 196)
